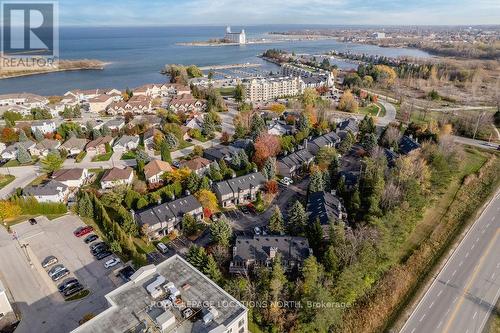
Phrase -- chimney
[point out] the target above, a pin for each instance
(132, 213)
(272, 252)
(305, 143)
(188, 192)
(234, 251)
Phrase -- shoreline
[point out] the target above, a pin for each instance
(102, 66)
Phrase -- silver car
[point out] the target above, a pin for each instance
(49, 261)
(56, 269)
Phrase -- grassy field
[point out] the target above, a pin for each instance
(494, 321)
(129, 155)
(473, 160)
(227, 91)
(80, 156)
(373, 110)
(15, 163)
(40, 179)
(6, 180)
(102, 157)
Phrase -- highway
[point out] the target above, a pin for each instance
(465, 292)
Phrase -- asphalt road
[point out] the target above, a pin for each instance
(476, 143)
(390, 114)
(466, 290)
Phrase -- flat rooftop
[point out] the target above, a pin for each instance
(132, 308)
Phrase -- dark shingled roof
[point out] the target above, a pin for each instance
(323, 206)
(67, 174)
(257, 248)
(220, 152)
(407, 144)
(297, 158)
(52, 187)
(168, 210)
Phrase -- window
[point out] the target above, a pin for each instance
(241, 323)
(241, 330)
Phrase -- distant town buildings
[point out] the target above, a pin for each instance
(235, 37)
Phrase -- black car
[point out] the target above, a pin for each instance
(90, 238)
(102, 255)
(68, 284)
(93, 246)
(33, 221)
(73, 290)
(99, 249)
(59, 275)
(49, 261)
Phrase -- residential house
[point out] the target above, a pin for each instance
(198, 165)
(154, 170)
(330, 139)
(164, 218)
(98, 146)
(87, 95)
(239, 190)
(73, 178)
(116, 176)
(221, 152)
(186, 103)
(162, 90)
(280, 128)
(136, 105)
(10, 152)
(101, 102)
(291, 164)
(115, 124)
(74, 145)
(49, 191)
(408, 144)
(7, 315)
(245, 144)
(26, 100)
(44, 147)
(126, 143)
(44, 126)
(325, 207)
(146, 121)
(346, 125)
(252, 252)
(149, 137)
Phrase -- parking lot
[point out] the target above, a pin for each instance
(35, 294)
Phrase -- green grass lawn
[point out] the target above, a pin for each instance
(15, 163)
(129, 155)
(6, 180)
(80, 156)
(102, 157)
(372, 110)
(38, 180)
(227, 91)
(184, 144)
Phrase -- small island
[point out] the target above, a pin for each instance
(62, 65)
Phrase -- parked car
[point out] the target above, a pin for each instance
(73, 290)
(56, 269)
(60, 275)
(286, 181)
(162, 247)
(95, 245)
(257, 231)
(49, 261)
(83, 231)
(244, 209)
(67, 284)
(99, 249)
(90, 238)
(33, 221)
(111, 262)
(176, 164)
(102, 255)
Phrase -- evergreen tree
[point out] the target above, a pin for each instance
(239, 93)
(142, 203)
(315, 236)
(209, 125)
(221, 232)
(85, 208)
(197, 257)
(215, 172)
(347, 143)
(225, 171)
(23, 156)
(297, 219)
(189, 225)
(105, 130)
(38, 135)
(172, 141)
(304, 123)
(96, 133)
(278, 278)
(257, 126)
(193, 182)
(276, 223)
(205, 184)
(212, 270)
(269, 168)
(317, 183)
(236, 161)
(22, 136)
(52, 162)
(369, 141)
(165, 152)
(331, 261)
(244, 160)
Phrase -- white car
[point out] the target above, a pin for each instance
(257, 231)
(111, 262)
(286, 181)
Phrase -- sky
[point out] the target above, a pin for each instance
(255, 12)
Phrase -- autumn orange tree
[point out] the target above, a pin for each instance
(266, 145)
(208, 200)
